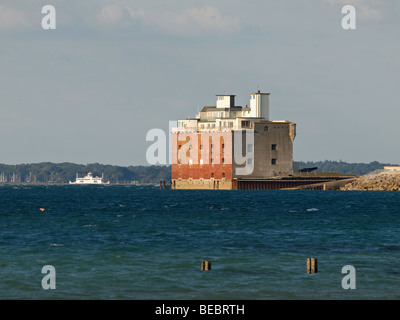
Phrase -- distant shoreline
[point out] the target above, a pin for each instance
(71, 184)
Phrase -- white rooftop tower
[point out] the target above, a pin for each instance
(259, 105)
(225, 101)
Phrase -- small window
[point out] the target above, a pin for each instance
(223, 148)
(201, 161)
(223, 162)
(273, 147)
(212, 162)
(266, 128)
(201, 147)
(223, 174)
(273, 161)
(245, 124)
(249, 148)
(249, 161)
(212, 174)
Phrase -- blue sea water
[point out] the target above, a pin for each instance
(140, 242)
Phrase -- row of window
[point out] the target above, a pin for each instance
(245, 124)
(227, 124)
(224, 124)
(201, 147)
(266, 128)
(202, 162)
(211, 175)
(249, 161)
(249, 148)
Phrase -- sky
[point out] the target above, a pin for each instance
(90, 90)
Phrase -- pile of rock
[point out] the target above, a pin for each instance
(383, 181)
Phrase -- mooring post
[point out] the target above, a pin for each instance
(162, 184)
(206, 265)
(312, 265)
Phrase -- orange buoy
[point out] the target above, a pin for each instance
(42, 209)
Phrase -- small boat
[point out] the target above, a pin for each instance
(89, 179)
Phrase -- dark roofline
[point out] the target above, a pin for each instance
(235, 108)
(266, 93)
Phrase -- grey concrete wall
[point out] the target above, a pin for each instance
(279, 134)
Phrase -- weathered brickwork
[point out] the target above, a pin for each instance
(202, 155)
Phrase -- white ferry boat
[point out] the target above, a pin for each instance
(89, 179)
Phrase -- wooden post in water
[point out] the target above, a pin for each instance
(162, 184)
(312, 265)
(206, 265)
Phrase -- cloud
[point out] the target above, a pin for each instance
(11, 18)
(365, 9)
(114, 15)
(206, 20)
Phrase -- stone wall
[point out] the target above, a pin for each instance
(384, 181)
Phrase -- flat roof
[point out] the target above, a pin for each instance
(214, 108)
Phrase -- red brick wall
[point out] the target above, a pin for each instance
(189, 148)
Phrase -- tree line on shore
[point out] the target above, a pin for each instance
(358, 169)
(48, 172)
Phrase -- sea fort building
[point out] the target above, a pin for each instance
(225, 144)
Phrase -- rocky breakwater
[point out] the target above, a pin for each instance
(382, 181)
